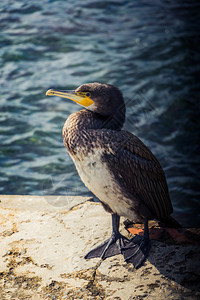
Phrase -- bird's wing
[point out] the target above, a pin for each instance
(137, 169)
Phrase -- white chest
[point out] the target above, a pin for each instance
(99, 180)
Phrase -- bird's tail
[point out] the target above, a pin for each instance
(169, 222)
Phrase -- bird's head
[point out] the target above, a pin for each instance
(103, 99)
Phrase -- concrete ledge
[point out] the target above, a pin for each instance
(42, 247)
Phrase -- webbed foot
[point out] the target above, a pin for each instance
(110, 247)
(137, 250)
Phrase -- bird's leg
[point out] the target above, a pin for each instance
(134, 251)
(113, 245)
(138, 248)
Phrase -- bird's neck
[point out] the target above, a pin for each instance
(76, 129)
(86, 119)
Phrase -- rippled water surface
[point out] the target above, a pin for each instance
(147, 48)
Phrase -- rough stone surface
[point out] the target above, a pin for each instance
(42, 247)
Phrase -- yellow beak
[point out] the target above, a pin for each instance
(78, 97)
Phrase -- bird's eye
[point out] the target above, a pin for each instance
(87, 94)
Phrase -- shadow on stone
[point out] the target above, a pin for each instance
(175, 253)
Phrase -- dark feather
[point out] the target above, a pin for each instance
(135, 168)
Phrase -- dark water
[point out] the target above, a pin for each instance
(147, 48)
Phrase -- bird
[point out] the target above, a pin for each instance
(117, 167)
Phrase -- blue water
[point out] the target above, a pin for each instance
(150, 49)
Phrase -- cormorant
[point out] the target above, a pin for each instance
(116, 166)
